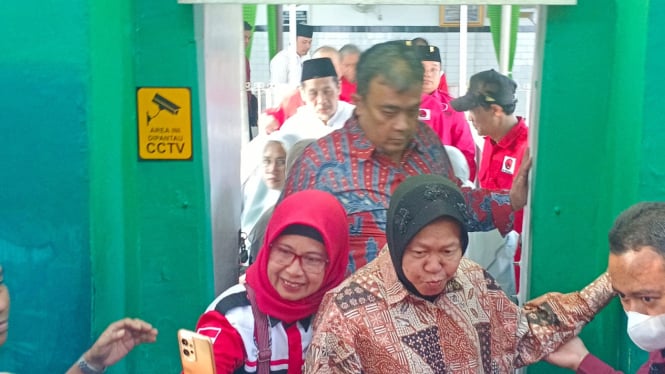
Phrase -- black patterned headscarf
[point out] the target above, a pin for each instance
(417, 202)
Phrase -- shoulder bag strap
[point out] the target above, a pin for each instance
(261, 334)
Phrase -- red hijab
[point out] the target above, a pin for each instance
(321, 211)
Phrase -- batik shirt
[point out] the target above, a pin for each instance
(346, 164)
(372, 324)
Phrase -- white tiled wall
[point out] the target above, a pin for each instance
(480, 49)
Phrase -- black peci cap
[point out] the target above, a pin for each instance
(317, 68)
(428, 53)
(304, 30)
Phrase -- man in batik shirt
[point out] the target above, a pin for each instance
(420, 307)
(383, 144)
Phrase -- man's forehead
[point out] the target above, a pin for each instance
(351, 57)
(637, 271)
(380, 84)
(322, 82)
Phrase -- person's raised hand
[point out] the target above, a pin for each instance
(118, 340)
(519, 192)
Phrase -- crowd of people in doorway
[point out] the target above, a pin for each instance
(399, 160)
(359, 219)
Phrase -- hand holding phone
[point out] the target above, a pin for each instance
(196, 353)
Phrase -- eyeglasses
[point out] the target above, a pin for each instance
(310, 263)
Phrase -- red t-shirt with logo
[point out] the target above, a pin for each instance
(501, 161)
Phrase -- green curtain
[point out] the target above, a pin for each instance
(249, 16)
(494, 14)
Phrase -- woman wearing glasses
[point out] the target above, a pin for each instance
(265, 325)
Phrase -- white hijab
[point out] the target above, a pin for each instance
(257, 197)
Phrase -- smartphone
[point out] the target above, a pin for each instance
(196, 353)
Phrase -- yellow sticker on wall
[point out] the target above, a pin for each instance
(164, 119)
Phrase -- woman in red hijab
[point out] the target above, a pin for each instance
(304, 254)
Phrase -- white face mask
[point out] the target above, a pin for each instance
(647, 332)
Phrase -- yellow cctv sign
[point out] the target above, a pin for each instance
(164, 117)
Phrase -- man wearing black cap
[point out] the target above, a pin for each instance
(491, 102)
(421, 307)
(274, 118)
(323, 112)
(286, 66)
(435, 110)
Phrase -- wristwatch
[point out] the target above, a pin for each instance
(86, 368)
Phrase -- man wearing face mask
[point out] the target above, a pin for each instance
(637, 269)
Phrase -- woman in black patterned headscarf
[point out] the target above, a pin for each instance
(423, 308)
(423, 212)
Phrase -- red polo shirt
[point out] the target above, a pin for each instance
(443, 85)
(501, 161)
(449, 125)
(347, 90)
(498, 167)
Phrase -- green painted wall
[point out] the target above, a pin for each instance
(88, 233)
(44, 171)
(598, 151)
(158, 217)
(652, 170)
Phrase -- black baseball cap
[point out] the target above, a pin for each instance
(490, 87)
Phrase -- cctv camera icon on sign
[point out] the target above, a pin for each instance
(163, 104)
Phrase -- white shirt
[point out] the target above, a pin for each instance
(305, 124)
(286, 67)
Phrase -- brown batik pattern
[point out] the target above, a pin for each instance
(371, 324)
(426, 344)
